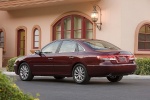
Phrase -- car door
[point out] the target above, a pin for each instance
(43, 64)
(65, 58)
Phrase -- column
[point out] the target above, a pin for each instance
(1, 57)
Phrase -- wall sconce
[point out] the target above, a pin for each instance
(95, 16)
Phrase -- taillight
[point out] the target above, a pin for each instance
(106, 57)
(117, 58)
(131, 57)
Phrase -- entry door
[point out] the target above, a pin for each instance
(21, 43)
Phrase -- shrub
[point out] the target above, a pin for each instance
(10, 64)
(143, 66)
(9, 90)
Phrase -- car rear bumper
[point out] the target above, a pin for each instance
(115, 69)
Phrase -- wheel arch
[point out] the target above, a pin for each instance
(19, 66)
(76, 64)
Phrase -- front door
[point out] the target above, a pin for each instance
(43, 63)
(21, 42)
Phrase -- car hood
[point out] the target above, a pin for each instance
(24, 57)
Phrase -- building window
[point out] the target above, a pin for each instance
(36, 41)
(144, 38)
(2, 39)
(73, 26)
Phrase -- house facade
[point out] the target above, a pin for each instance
(28, 25)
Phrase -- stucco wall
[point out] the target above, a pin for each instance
(111, 21)
(133, 13)
(43, 17)
(119, 21)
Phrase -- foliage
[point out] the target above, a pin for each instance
(10, 64)
(143, 66)
(10, 91)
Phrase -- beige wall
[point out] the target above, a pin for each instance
(133, 13)
(119, 21)
(43, 17)
(111, 21)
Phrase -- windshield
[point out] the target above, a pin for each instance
(100, 45)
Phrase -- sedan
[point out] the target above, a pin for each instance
(77, 58)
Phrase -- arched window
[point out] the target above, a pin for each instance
(144, 38)
(36, 41)
(2, 39)
(73, 26)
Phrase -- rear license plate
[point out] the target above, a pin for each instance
(122, 59)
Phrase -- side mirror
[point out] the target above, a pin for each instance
(38, 52)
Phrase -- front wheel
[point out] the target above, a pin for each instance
(114, 78)
(25, 72)
(80, 74)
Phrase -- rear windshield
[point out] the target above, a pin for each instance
(100, 45)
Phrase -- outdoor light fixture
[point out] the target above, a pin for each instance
(95, 15)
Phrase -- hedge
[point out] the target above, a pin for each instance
(143, 66)
(10, 64)
(10, 91)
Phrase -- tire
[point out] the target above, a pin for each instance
(25, 72)
(80, 74)
(114, 78)
(59, 77)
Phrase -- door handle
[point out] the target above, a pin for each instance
(50, 58)
(71, 57)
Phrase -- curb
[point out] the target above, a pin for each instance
(125, 77)
(133, 76)
(9, 73)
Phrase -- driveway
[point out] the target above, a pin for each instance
(130, 88)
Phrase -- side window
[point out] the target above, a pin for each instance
(1, 39)
(51, 48)
(144, 38)
(68, 46)
(36, 38)
(80, 48)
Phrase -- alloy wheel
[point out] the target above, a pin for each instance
(80, 74)
(25, 73)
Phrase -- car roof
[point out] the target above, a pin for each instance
(78, 39)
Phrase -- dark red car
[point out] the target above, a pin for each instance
(77, 58)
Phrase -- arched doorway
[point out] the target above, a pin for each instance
(21, 42)
(73, 26)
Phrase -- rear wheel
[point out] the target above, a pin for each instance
(114, 78)
(25, 72)
(59, 77)
(80, 74)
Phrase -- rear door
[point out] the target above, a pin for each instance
(65, 58)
